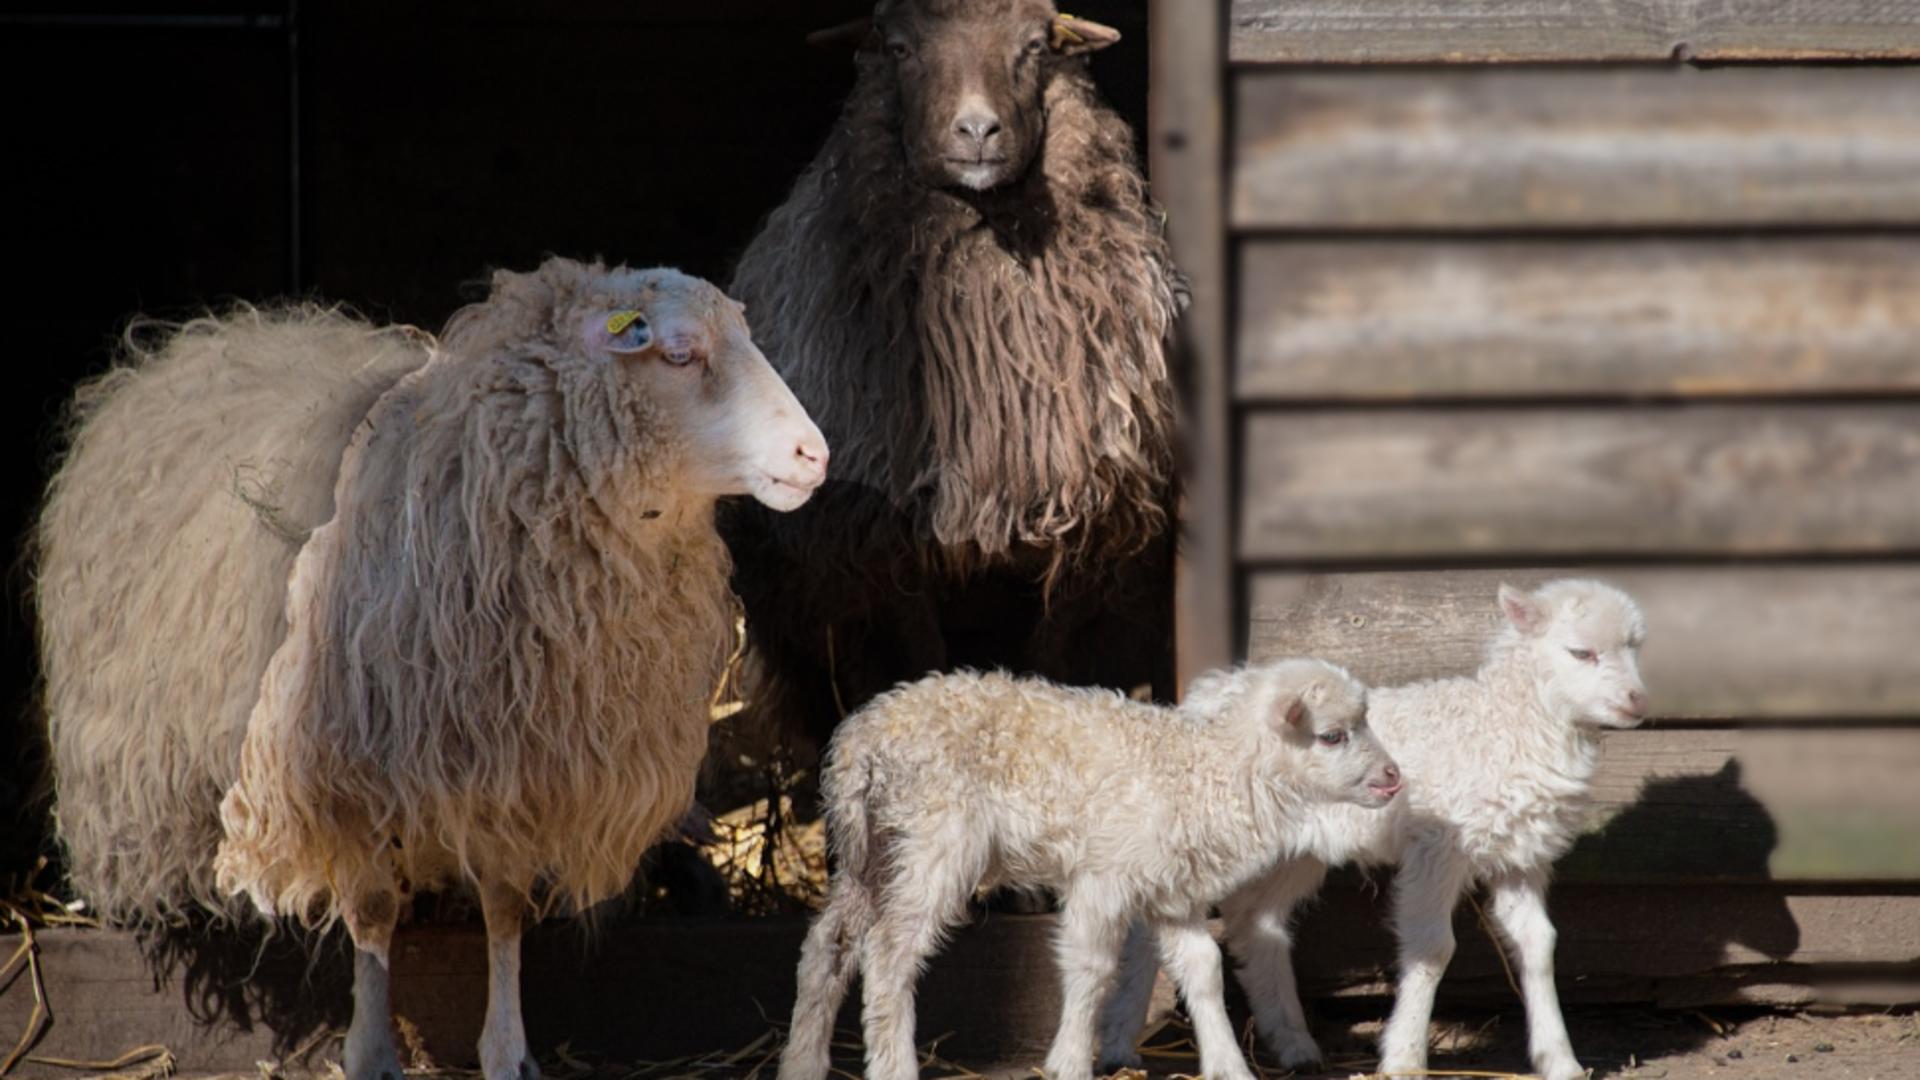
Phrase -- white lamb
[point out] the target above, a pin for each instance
(1497, 767)
(1129, 811)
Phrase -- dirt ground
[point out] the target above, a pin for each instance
(1632, 1044)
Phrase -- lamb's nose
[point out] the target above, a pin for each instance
(978, 126)
(1393, 775)
(1637, 701)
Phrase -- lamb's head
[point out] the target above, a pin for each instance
(971, 77)
(1310, 720)
(1583, 639)
(658, 363)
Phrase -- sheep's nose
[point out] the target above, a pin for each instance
(1637, 701)
(1393, 775)
(978, 126)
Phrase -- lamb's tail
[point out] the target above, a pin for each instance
(834, 941)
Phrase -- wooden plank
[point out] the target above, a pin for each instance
(1496, 31)
(1752, 805)
(1627, 943)
(1756, 641)
(1362, 320)
(1186, 140)
(1709, 479)
(1517, 149)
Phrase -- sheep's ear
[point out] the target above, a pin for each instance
(1073, 36)
(1522, 610)
(848, 34)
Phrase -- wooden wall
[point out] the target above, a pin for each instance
(1515, 289)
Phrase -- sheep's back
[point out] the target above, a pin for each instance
(192, 475)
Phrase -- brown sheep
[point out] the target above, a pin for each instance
(971, 292)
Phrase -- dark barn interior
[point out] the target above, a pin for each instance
(164, 158)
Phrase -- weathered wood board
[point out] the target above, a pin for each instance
(1707, 479)
(1752, 805)
(1383, 320)
(1518, 149)
(1755, 642)
(660, 990)
(1494, 31)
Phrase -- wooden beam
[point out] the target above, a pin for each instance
(1521, 149)
(1186, 150)
(1752, 641)
(1389, 320)
(1497, 31)
(1711, 479)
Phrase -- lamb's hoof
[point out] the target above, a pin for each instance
(377, 1065)
(1111, 1063)
(529, 1068)
(1294, 1049)
(1397, 1068)
(1560, 1069)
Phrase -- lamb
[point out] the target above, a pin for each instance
(1128, 810)
(971, 291)
(1497, 766)
(496, 653)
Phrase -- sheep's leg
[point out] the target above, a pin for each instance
(369, 1052)
(928, 893)
(1425, 891)
(503, 1038)
(1260, 935)
(1520, 910)
(826, 967)
(1088, 945)
(1194, 960)
(1125, 1011)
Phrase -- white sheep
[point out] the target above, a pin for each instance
(1127, 810)
(1497, 767)
(500, 648)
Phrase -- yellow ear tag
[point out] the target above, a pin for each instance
(618, 322)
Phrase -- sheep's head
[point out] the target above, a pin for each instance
(659, 352)
(971, 77)
(1585, 640)
(1313, 716)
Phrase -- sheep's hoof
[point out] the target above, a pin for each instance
(1113, 1063)
(1294, 1049)
(529, 1068)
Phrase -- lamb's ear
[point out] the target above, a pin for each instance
(1289, 714)
(1073, 36)
(848, 34)
(1522, 610)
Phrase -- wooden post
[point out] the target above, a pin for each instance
(1186, 156)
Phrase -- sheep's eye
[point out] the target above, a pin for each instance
(1332, 738)
(1581, 654)
(900, 49)
(680, 357)
(1036, 46)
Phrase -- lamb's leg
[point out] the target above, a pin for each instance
(1088, 944)
(1194, 960)
(1520, 909)
(826, 967)
(369, 1052)
(928, 893)
(1125, 1011)
(503, 1038)
(1260, 935)
(1425, 891)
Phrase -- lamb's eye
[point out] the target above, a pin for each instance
(1037, 46)
(1332, 738)
(681, 356)
(900, 49)
(1585, 655)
